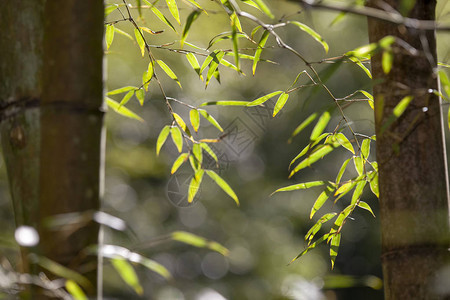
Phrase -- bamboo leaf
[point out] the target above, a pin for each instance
(400, 108)
(194, 116)
(122, 110)
(235, 27)
(263, 99)
(261, 44)
(75, 290)
(148, 75)
(358, 191)
(226, 103)
(190, 19)
(177, 138)
(303, 125)
(320, 125)
(172, 5)
(110, 8)
(374, 184)
(360, 64)
(308, 148)
(312, 33)
(310, 247)
(209, 151)
(387, 60)
(109, 35)
(126, 98)
(198, 154)
(210, 119)
(334, 248)
(345, 188)
(140, 40)
(280, 103)
(179, 121)
(168, 71)
(125, 34)
(359, 164)
(365, 148)
(216, 59)
(300, 186)
(162, 137)
(195, 184)
(320, 201)
(223, 185)
(127, 273)
(194, 64)
(315, 156)
(344, 142)
(264, 8)
(199, 242)
(179, 161)
(342, 170)
(366, 206)
(121, 90)
(160, 16)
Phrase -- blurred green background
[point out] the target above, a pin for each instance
(265, 233)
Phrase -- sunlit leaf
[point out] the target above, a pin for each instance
(387, 60)
(310, 247)
(162, 137)
(190, 19)
(194, 116)
(334, 247)
(160, 15)
(209, 59)
(110, 8)
(235, 27)
(75, 290)
(223, 185)
(303, 125)
(280, 103)
(121, 90)
(264, 8)
(126, 98)
(193, 2)
(345, 188)
(261, 44)
(374, 183)
(359, 164)
(309, 148)
(263, 99)
(316, 227)
(168, 71)
(365, 148)
(199, 242)
(210, 119)
(312, 158)
(194, 163)
(300, 186)
(172, 4)
(109, 35)
(361, 65)
(179, 121)
(148, 75)
(195, 184)
(320, 201)
(209, 151)
(128, 274)
(194, 64)
(122, 110)
(398, 110)
(177, 137)
(198, 153)
(344, 142)
(320, 125)
(366, 206)
(251, 3)
(179, 161)
(216, 58)
(312, 33)
(342, 170)
(226, 103)
(445, 82)
(358, 191)
(140, 40)
(363, 52)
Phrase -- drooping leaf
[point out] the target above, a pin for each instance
(223, 185)
(193, 2)
(303, 125)
(264, 8)
(198, 153)
(173, 8)
(342, 170)
(109, 35)
(309, 148)
(312, 246)
(251, 3)
(197, 241)
(194, 64)
(374, 183)
(126, 98)
(263, 99)
(177, 137)
(128, 274)
(361, 65)
(160, 15)
(344, 142)
(320, 201)
(316, 227)
(209, 151)
(168, 71)
(110, 8)
(320, 125)
(162, 137)
(194, 116)
(313, 157)
(195, 184)
(123, 33)
(122, 110)
(445, 82)
(190, 19)
(312, 33)
(148, 75)
(345, 188)
(179, 161)
(398, 110)
(261, 44)
(300, 186)
(140, 40)
(208, 60)
(358, 191)
(366, 206)
(365, 148)
(280, 103)
(334, 247)
(75, 290)
(210, 119)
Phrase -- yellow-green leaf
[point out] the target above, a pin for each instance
(126, 98)
(194, 116)
(334, 247)
(172, 4)
(198, 153)
(197, 241)
(223, 185)
(366, 206)
(360, 64)
(210, 119)
(162, 137)
(168, 71)
(320, 201)
(261, 44)
(194, 64)
(122, 110)
(303, 125)
(263, 99)
(121, 90)
(190, 19)
(75, 290)
(312, 33)
(320, 125)
(300, 186)
(179, 121)
(359, 164)
(280, 103)
(358, 191)
(235, 27)
(140, 40)
(209, 151)
(365, 148)
(374, 183)
(195, 184)
(177, 137)
(160, 15)
(264, 8)
(342, 170)
(214, 64)
(344, 142)
(123, 33)
(128, 274)
(109, 35)
(387, 60)
(179, 161)
(317, 154)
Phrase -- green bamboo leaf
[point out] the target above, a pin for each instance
(208, 60)
(374, 184)
(308, 148)
(194, 116)
(147, 76)
(320, 125)
(125, 34)
(198, 153)
(313, 157)
(199, 242)
(359, 164)
(345, 188)
(197, 5)
(334, 247)
(300, 186)
(312, 246)
(172, 5)
(320, 201)
(122, 110)
(366, 206)
(363, 52)
(160, 15)
(314, 229)
(344, 142)
(227, 64)
(216, 59)
(303, 125)
(235, 27)
(194, 163)
(341, 218)
(162, 137)
(194, 64)
(110, 8)
(223, 185)
(195, 184)
(263, 99)
(312, 33)
(360, 64)
(226, 103)
(358, 191)
(179, 121)
(153, 266)
(190, 19)
(75, 290)
(177, 138)
(179, 161)
(109, 35)
(210, 119)
(128, 274)
(264, 8)
(342, 170)
(251, 3)
(445, 82)
(140, 40)
(121, 90)
(280, 103)
(261, 44)
(365, 148)
(168, 71)
(209, 151)
(400, 108)
(387, 60)
(126, 98)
